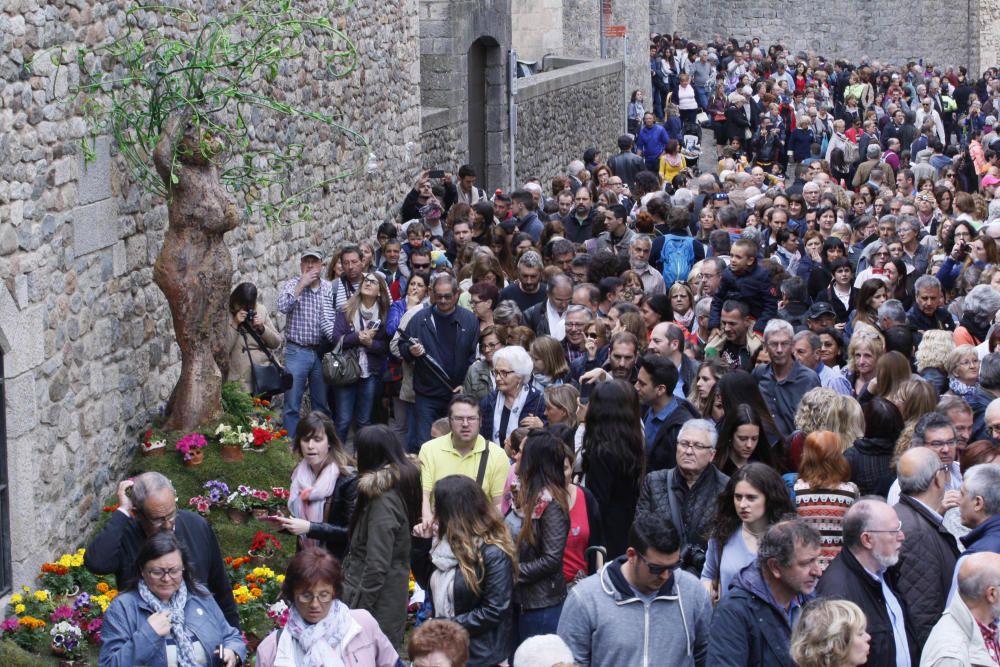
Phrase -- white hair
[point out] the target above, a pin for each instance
(543, 651)
(519, 360)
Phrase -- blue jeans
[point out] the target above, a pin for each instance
(701, 95)
(354, 403)
(426, 410)
(531, 622)
(305, 365)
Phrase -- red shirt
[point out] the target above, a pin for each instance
(574, 560)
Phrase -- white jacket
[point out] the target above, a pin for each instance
(956, 636)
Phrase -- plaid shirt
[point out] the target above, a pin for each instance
(989, 633)
(304, 312)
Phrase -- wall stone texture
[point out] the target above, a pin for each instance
(88, 343)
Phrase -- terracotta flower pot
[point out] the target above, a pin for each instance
(253, 641)
(259, 513)
(232, 453)
(158, 451)
(197, 458)
(237, 516)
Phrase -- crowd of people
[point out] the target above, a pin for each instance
(640, 414)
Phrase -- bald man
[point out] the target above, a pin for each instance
(928, 554)
(966, 633)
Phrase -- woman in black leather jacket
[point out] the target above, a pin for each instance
(326, 474)
(469, 572)
(542, 525)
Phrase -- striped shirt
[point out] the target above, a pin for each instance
(304, 312)
(824, 510)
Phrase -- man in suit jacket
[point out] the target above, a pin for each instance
(548, 318)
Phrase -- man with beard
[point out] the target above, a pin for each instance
(873, 538)
(579, 224)
(621, 364)
(966, 633)
(638, 259)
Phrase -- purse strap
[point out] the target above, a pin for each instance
(260, 342)
(481, 475)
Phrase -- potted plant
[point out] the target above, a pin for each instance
(278, 504)
(233, 440)
(263, 547)
(152, 445)
(261, 503)
(257, 592)
(192, 448)
(67, 643)
(239, 503)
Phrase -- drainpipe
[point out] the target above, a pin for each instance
(512, 114)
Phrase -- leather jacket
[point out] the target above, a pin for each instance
(337, 511)
(540, 581)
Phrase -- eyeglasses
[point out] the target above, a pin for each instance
(370, 280)
(574, 325)
(994, 429)
(162, 521)
(941, 444)
(696, 446)
(444, 297)
(503, 375)
(464, 420)
(307, 598)
(656, 568)
(592, 335)
(165, 573)
(896, 530)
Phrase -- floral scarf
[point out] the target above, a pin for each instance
(176, 604)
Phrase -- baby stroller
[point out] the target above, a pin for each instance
(691, 145)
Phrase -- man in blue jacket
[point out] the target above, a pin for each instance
(651, 141)
(441, 342)
(752, 625)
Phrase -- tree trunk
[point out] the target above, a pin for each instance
(194, 271)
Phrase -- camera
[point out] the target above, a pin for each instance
(251, 315)
(693, 559)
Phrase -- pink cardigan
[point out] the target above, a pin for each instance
(368, 647)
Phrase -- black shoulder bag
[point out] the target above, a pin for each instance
(267, 380)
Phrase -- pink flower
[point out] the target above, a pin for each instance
(9, 625)
(63, 613)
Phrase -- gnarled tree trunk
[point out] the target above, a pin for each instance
(194, 271)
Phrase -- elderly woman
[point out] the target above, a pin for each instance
(932, 352)
(962, 366)
(166, 618)
(978, 310)
(249, 334)
(830, 633)
(439, 643)
(322, 630)
(514, 400)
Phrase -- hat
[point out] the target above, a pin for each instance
(311, 252)
(990, 179)
(819, 309)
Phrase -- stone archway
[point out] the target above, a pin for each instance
(485, 110)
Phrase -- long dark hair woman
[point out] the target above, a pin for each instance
(541, 524)
(614, 458)
(821, 276)
(740, 441)
(754, 499)
(165, 609)
(377, 567)
(736, 387)
(324, 487)
(469, 570)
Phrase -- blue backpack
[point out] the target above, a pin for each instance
(677, 258)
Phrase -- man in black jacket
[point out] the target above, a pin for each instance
(664, 413)
(872, 541)
(927, 559)
(148, 505)
(626, 164)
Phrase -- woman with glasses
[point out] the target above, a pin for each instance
(321, 629)
(754, 499)
(361, 326)
(483, 298)
(165, 617)
(479, 378)
(515, 400)
(962, 366)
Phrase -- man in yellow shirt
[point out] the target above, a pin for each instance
(461, 452)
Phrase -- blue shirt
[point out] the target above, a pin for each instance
(654, 420)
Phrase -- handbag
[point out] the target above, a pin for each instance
(341, 368)
(266, 380)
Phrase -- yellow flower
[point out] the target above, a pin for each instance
(41, 596)
(19, 609)
(280, 578)
(102, 600)
(76, 561)
(15, 598)
(65, 560)
(25, 589)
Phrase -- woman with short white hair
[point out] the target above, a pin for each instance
(514, 400)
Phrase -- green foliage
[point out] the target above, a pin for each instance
(236, 403)
(220, 79)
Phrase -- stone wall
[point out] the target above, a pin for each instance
(443, 140)
(987, 45)
(562, 113)
(537, 28)
(87, 339)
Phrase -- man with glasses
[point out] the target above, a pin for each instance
(936, 432)
(873, 538)
(574, 344)
(461, 452)
(147, 504)
(640, 609)
(448, 336)
(927, 558)
(687, 493)
(419, 260)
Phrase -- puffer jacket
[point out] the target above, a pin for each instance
(870, 460)
(479, 380)
(540, 581)
(926, 563)
(486, 616)
(660, 495)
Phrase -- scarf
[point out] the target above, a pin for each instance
(323, 642)
(443, 579)
(176, 604)
(959, 388)
(515, 413)
(685, 320)
(362, 317)
(309, 493)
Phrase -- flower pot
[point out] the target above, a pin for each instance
(253, 641)
(257, 450)
(237, 516)
(156, 451)
(232, 453)
(197, 458)
(259, 513)
(81, 662)
(260, 558)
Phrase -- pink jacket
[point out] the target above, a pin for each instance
(369, 647)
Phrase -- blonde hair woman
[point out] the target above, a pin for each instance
(830, 633)
(862, 357)
(931, 356)
(549, 361)
(962, 366)
(847, 420)
(914, 399)
(561, 403)
(813, 414)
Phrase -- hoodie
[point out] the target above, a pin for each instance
(604, 622)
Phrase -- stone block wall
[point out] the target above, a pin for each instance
(537, 28)
(87, 338)
(442, 139)
(562, 113)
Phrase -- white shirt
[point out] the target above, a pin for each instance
(557, 321)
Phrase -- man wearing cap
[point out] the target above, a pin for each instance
(301, 300)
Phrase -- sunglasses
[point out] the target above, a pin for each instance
(592, 336)
(656, 568)
(421, 267)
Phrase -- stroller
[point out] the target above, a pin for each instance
(691, 145)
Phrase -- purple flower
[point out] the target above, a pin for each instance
(244, 490)
(82, 600)
(9, 625)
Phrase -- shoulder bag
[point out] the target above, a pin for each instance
(266, 380)
(341, 368)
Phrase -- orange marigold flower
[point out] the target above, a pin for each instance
(229, 560)
(256, 592)
(103, 587)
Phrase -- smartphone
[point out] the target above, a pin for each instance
(375, 324)
(220, 655)
(435, 173)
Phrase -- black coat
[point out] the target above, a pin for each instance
(736, 124)
(926, 563)
(663, 493)
(488, 615)
(870, 460)
(455, 361)
(537, 318)
(337, 511)
(846, 579)
(616, 492)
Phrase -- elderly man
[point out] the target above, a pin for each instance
(574, 345)
(967, 632)
(915, 253)
(752, 626)
(979, 507)
(783, 382)
(936, 432)
(548, 318)
(928, 311)
(147, 504)
(688, 491)
(807, 347)
(711, 274)
(664, 413)
(638, 258)
(872, 540)
(927, 557)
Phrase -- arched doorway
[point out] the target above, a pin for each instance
(486, 80)
(477, 108)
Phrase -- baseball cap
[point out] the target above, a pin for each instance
(311, 252)
(819, 309)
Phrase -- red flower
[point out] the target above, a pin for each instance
(261, 436)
